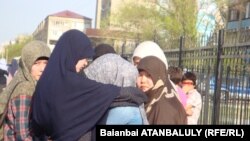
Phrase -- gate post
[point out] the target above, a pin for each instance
(218, 77)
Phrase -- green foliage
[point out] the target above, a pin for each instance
(159, 22)
(14, 50)
(222, 7)
(181, 19)
(138, 20)
(144, 22)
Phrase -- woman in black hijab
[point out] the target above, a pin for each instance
(162, 107)
(67, 105)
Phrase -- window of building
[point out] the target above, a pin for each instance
(57, 23)
(248, 10)
(233, 15)
(78, 25)
(105, 11)
(54, 32)
(52, 42)
(87, 25)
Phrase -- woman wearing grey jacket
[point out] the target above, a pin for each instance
(113, 69)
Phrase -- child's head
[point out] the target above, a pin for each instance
(176, 74)
(188, 81)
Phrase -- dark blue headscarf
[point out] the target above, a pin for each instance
(66, 105)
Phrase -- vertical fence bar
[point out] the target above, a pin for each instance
(217, 110)
(218, 74)
(180, 53)
(123, 49)
(229, 103)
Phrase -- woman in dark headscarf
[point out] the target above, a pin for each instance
(162, 107)
(66, 104)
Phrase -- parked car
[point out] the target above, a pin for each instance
(231, 88)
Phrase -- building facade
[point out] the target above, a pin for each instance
(239, 14)
(54, 25)
(238, 23)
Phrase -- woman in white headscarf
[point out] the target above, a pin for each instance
(148, 48)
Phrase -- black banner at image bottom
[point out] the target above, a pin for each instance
(194, 132)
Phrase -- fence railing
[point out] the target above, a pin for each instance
(222, 64)
(223, 77)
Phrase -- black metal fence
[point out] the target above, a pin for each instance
(223, 70)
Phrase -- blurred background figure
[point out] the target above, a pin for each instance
(148, 48)
(12, 69)
(102, 49)
(3, 73)
(176, 75)
(194, 102)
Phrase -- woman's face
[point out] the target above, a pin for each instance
(144, 81)
(38, 68)
(81, 64)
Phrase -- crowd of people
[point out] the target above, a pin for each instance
(60, 95)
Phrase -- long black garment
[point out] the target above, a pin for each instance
(66, 105)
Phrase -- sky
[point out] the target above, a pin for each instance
(23, 16)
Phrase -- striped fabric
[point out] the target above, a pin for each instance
(17, 119)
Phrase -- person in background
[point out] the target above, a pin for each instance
(67, 106)
(3, 79)
(16, 98)
(194, 101)
(148, 48)
(3, 64)
(176, 75)
(113, 69)
(12, 69)
(3, 73)
(162, 107)
(102, 49)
